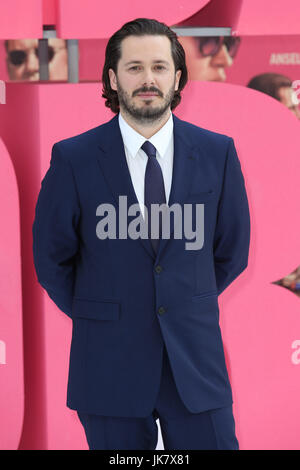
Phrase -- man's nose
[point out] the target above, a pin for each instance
(223, 57)
(32, 62)
(148, 77)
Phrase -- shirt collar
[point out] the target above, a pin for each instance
(133, 140)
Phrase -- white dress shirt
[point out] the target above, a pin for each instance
(137, 159)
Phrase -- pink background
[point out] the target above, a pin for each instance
(260, 322)
(11, 340)
(89, 19)
(21, 19)
(268, 17)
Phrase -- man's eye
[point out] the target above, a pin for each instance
(136, 66)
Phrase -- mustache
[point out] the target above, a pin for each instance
(146, 90)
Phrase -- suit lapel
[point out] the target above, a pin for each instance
(113, 163)
(183, 170)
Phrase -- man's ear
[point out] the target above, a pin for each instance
(177, 79)
(113, 79)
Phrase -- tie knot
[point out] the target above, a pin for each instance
(149, 149)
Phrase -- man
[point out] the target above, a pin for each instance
(279, 87)
(146, 341)
(208, 57)
(22, 59)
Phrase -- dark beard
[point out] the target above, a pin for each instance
(148, 114)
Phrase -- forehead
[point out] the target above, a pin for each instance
(150, 47)
(22, 43)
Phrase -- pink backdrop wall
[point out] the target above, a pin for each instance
(11, 328)
(268, 17)
(21, 19)
(87, 19)
(260, 322)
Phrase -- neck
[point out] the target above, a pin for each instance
(146, 130)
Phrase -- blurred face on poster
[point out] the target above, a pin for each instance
(288, 97)
(278, 86)
(208, 57)
(22, 59)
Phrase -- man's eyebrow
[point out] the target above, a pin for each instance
(139, 62)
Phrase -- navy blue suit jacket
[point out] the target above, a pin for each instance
(124, 301)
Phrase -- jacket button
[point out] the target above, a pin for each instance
(161, 310)
(158, 269)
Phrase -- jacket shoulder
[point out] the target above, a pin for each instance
(82, 140)
(198, 135)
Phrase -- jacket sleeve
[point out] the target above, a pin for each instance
(232, 234)
(55, 241)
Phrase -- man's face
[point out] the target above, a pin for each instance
(27, 67)
(210, 68)
(146, 79)
(288, 97)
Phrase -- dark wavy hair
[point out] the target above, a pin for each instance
(140, 27)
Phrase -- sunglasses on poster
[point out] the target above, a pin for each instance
(211, 45)
(17, 57)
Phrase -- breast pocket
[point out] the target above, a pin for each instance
(201, 196)
(106, 310)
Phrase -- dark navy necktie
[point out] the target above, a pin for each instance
(154, 187)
